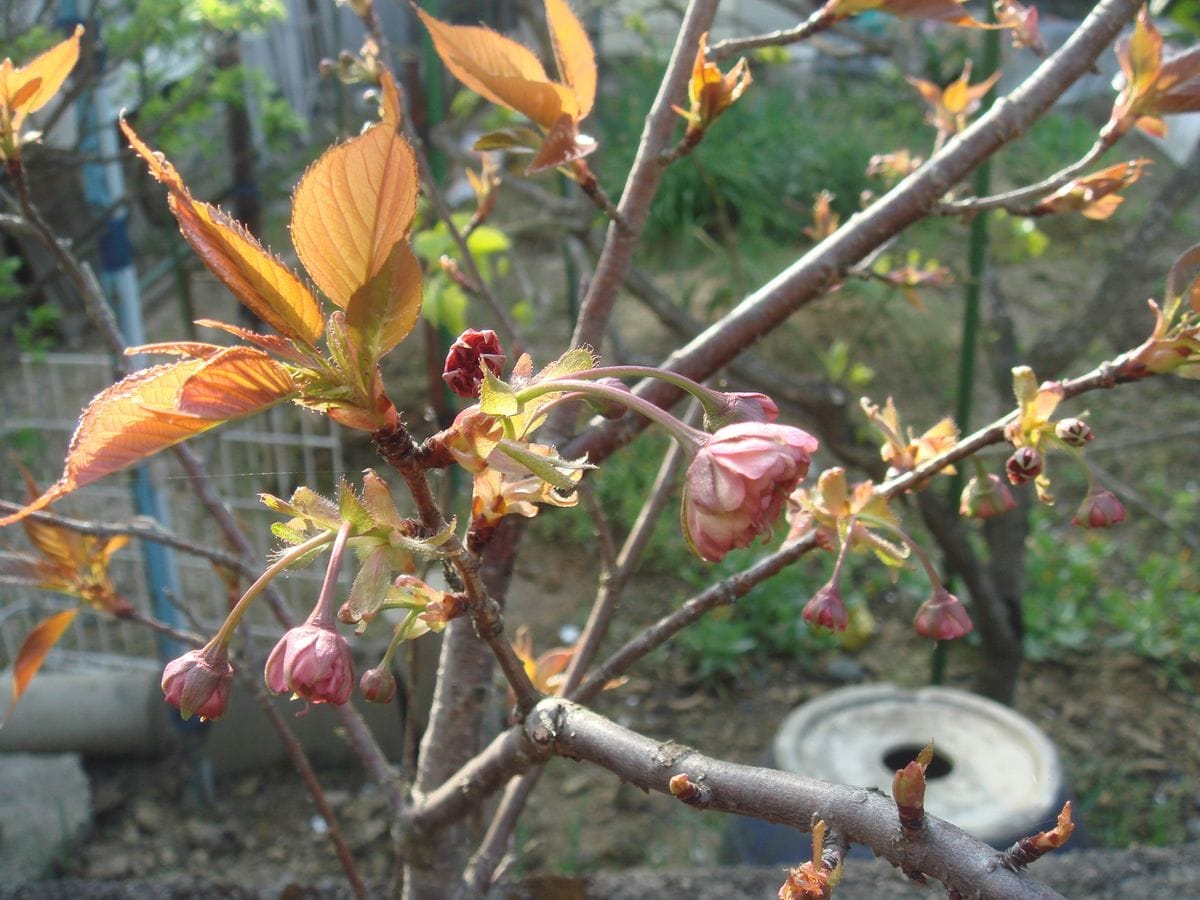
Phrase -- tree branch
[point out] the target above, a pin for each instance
(961, 862)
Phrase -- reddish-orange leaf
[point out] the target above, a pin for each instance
(47, 72)
(1093, 196)
(234, 383)
(257, 278)
(194, 349)
(23, 93)
(1144, 53)
(272, 343)
(352, 206)
(33, 652)
(61, 546)
(1184, 279)
(391, 111)
(383, 311)
(141, 415)
(573, 53)
(501, 71)
(561, 145)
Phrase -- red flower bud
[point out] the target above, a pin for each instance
(377, 685)
(1073, 432)
(1024, 465)
(463, 371)
(827, 609)
(737, 484)
(985, 499)
(942, 617)
(1099, 509)
(312, 662)
(198, 682)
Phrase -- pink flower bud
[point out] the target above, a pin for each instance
(1073, 432)
(377, 685)
(942, 617)
(826, 609)
(312, 662)
(737, 484)
(463, 371)
(748, 407)
(1099, 509)
(1024, 465)
(985, 499)
(198, 682)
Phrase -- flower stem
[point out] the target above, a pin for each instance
(322, 613)
(285, 561)
(686, 435)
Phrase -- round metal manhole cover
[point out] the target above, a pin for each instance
(994, 774)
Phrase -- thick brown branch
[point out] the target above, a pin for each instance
(944, 852)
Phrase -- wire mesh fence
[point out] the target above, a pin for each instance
(273, 453)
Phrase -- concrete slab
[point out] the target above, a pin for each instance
(45, 808)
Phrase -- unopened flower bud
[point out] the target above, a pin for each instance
(470, 352)
(737, 483)
(942, 617)
(985, 498)
(1073, 432)
(1024, 465)
(827, 609)
(198, 682)
(748, 406)
(377, 685)
(1099, 509)
(603, 406)
(312, 662)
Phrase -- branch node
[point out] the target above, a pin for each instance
(693, 793)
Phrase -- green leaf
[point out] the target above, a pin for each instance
(514, 140)
(352, 510)
(551, 469)
(379, 503)
(445, 305)
(496, 398)
(371, 584)
(486, 240)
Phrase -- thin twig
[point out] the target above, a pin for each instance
(481, 869)
(590, 185)
(814, 24)
(1013, 200)
(142, 528)
(722, 593)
